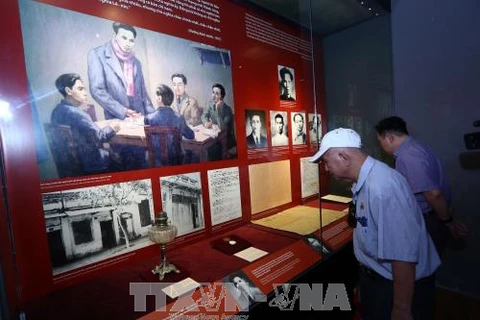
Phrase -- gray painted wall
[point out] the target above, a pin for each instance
(358, 83)
(435, 52)
(436, 67)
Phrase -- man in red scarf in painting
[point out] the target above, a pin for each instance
(116, 78)
(117, 85)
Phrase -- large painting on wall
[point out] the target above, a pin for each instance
(111, 97)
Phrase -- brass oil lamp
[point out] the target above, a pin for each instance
(162, 232)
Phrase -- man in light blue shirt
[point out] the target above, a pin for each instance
(396, 255)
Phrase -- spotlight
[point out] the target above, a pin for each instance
(5, 113)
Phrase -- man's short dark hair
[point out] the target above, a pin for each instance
(166, 93)
(222, 89)
(255, 114)
(395, 125)
(66, 80)
(278, 115)
(118, 25)
(181, 76)
(298, 114)
(285, 71)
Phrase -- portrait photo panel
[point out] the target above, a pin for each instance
(279, 128)
(256, 129)
(314, 127)
(298, 128)
(286, 82)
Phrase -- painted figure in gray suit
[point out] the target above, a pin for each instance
(116, 77)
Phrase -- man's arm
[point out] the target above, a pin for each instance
(403, 287)
(147, 103)
(185, 129)
(206, 115)
(227, 120)
(437, 201)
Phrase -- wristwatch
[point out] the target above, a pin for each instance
(447, 221)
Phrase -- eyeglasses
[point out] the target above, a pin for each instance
(352, 214)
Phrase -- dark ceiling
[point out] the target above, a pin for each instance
(327, 16)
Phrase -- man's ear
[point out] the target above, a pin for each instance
(389, 137)
(68, 91)
(343, 155)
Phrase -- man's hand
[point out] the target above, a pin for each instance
(208, 125)
(458, 230)
(131, 113)
(115, 126)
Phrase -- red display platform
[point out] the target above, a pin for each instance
(108, 296)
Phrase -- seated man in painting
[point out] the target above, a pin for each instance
(183, 104)
(88, 136)
(219, 113)
(166, 117)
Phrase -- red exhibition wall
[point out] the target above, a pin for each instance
(236, 44)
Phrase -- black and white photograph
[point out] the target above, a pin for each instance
(105, 95)
(182, 201)
(314, 127)
(298, 128)
(88, 225)
(224, 193)
(279, 128)
(286, 78)
(255, 126)
(243, 290)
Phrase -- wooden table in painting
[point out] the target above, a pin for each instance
(132, 133)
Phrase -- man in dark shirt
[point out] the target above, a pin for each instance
(165, 116)
(88, 136)
(286, 85)
(256, 139)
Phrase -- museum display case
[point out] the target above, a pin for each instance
(207, 110)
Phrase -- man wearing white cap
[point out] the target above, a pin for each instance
(396, 255)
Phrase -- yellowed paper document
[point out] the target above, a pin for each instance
(332, 197)
(270, 185)
(251, 254)
(300, 219)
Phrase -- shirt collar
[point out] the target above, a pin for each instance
(65, 101)
(404, 145)
(363, 175)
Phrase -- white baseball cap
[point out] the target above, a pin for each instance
(338, 138)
